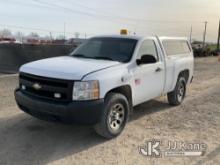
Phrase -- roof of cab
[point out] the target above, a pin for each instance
(120, 36)
(136, 37)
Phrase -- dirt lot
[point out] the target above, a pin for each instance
(26, 140)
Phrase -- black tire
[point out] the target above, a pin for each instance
(104, 128)
(176, 97)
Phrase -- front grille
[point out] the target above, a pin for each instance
(46, 88)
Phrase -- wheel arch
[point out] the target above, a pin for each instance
(185, 74)
(126, 90)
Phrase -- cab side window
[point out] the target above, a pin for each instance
(176, 47)
(148, 47)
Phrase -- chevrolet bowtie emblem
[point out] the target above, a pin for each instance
(37, 86)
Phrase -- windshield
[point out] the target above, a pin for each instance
(115, 49)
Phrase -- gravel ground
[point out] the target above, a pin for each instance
(26, 140)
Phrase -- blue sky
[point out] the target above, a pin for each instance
(145, 17)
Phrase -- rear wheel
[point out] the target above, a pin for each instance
(114, 117)
(177, 96)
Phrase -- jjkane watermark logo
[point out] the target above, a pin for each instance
(155, 148)
(151, 148)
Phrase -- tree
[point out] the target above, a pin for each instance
(5, 33)
(47, 37)
(34, 35)
(77, 34)
(197, 42)
(19, 36)
(60, 37)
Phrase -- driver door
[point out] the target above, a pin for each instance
(148, 78)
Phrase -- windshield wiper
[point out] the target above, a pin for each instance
(96, 57)
(103, 58)
(80, 55)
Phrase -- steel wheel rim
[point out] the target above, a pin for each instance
(116, 117)
(181, 92)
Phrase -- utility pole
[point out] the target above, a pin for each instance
(64, 30)
(204, 35)
(190, 38)
(51, 38)
(218, 38)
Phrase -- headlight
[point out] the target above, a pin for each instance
(86, 90)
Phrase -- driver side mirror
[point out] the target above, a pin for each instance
(146, 59)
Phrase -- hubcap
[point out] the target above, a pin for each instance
(116, 116)
(181, 92)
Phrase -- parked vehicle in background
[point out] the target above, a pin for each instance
(208, 50)
(75, 41)
(104, 78)
(5, 40)
(215, 52)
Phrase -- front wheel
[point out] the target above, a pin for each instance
(114, 117)
(177, 96)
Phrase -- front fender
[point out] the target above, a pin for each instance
(111, 78)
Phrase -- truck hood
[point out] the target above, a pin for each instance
(66, 67)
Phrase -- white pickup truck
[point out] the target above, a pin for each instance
(101, 81)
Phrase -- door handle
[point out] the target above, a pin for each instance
(158, 69)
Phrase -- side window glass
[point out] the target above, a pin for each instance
(148, 47)
(176, 47)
